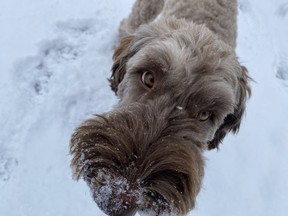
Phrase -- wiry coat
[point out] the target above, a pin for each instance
(218, 15)
(146, 154)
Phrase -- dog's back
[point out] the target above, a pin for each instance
(218, 15)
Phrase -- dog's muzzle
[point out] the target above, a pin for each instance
(135, 158)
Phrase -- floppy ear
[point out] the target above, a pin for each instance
(120, 58)
(232, 121)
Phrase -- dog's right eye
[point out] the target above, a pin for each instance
(147, 79)
(203, 116)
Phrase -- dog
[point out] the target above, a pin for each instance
(181, 89)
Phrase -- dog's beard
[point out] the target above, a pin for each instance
(135, 159)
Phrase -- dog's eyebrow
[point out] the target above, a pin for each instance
(216, 102)
(147, 65)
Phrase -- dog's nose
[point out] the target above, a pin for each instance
(128, 206)
(117, 204)
(126, 212)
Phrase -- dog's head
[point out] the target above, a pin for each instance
(181, 89)
(191, 66)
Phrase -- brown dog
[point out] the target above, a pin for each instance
(181, 89)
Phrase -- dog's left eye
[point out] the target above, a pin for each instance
(147, 79)
(203, 116)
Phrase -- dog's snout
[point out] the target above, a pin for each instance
(132, 158)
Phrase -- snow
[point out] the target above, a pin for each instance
(55, 58)
(179, 107)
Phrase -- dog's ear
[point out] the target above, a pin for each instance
(120, 58)
(232, 121)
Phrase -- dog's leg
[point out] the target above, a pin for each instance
(143, 11)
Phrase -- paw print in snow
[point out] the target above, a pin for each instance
(38, 71)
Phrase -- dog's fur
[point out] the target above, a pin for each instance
(146, 154)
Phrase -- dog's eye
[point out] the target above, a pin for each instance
(147, 79)
(203, 116)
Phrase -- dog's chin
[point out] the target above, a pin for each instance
(133, 161)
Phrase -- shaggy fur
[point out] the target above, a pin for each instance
(146, 154)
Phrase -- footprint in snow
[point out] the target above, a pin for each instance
(36, 72)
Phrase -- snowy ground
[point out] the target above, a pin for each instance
(55, 57)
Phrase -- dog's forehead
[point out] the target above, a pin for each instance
(167, 55)
(176, 57)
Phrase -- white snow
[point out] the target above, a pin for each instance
(55, 57)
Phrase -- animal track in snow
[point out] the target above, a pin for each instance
(61, 77)
(36, 72)
(54, 56)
